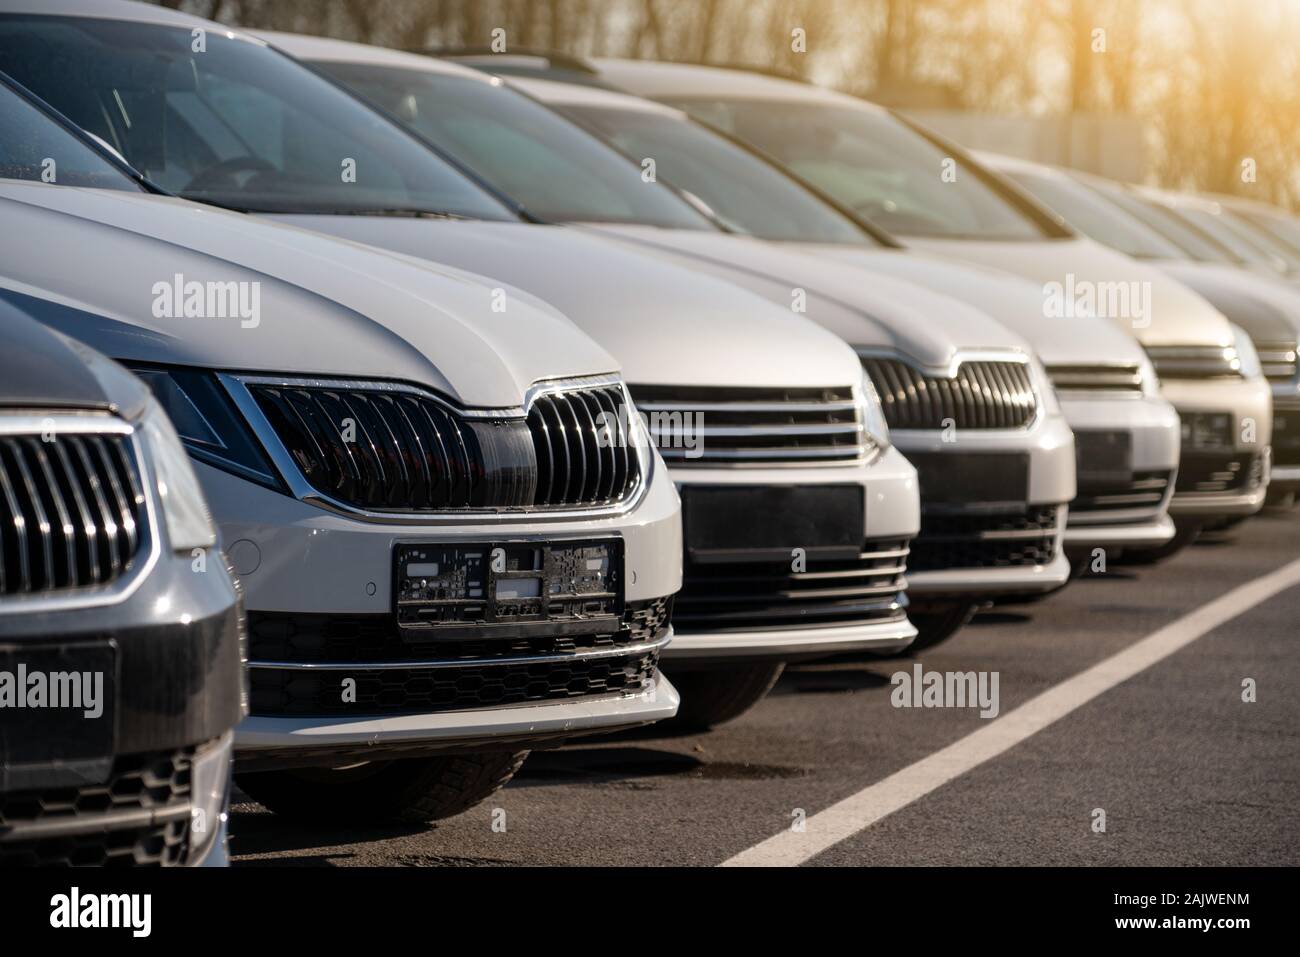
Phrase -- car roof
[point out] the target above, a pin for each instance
(671, 80)
(107, 10)
(577, 94)
(327, 49)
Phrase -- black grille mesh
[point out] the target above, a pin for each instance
(157, 784)
(71, 511)
(997, 540)
(983, 395)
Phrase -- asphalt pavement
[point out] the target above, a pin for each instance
(1182, 770)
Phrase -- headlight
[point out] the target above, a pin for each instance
(1250, 366)
(1043, 386)
(1150, 378)
(208, 423)
(873, 413)
(209, 788)
(186, 513)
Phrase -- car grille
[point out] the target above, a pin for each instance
(1286, 435)
(982, 395)
(1146, 491)
(755, 596)
(1195, 362)
(575, 465)
(494, 672)
(391, 449)
(1278, 360)
(140, 816)
(993, 540)
(71, 511)
(1211, 472)
(712, 426)
(1126, 378)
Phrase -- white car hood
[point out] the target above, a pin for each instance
(667, 325)
(327, 308)
(1178, 315)
(1015, 302)
(1268, 309)
(877, 312)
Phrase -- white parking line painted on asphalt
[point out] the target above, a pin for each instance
(863, 809)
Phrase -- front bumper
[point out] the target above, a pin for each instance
(1130, 509)
(1246, 452)
(315, 574)
(270, 742)
(1049, 448)
(1286, 444)
(796, 622)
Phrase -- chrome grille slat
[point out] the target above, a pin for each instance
(1279, 360)
(1195, 362)
(982, 395)
(735, 426)
(71, 511)
(1126, 378)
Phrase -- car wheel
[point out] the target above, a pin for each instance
(936, 625)
(716, 696)
(1184, 536)
(412, 790)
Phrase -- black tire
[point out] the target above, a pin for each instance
(1183, 536)
(716, 696)
(411, 790)
(1278, 499)
(936, 625)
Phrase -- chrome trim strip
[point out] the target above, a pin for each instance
(637, 649)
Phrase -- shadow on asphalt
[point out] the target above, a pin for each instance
(609, 765)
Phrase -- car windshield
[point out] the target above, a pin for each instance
(1282, 228)
(35, 147)
(1194, 243)
(229, 121)
(1095, 216)
(876, 165)
(1274, 245)
(556, 170)
(746, 192)
(1244, 248)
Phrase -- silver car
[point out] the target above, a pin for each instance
(453, 540)
(786, 469)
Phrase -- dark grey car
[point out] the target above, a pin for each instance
(121, 631)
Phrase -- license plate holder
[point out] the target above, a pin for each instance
(727, 523)
(991, 479)
(1104, 459)
(506, 589)
(43, 745)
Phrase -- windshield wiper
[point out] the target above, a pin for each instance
(398, 211)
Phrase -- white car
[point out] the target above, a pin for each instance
(1265, 307)
(561, 173)
(765, 419)
(442, 562)
(933, 195)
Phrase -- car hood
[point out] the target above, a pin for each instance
(1178, 316)
(43, 369)
(325, 308)
(1015, 302)
(667, 325)
(880, 312)
(1268, 309)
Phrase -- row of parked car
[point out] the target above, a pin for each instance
(368, 418)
